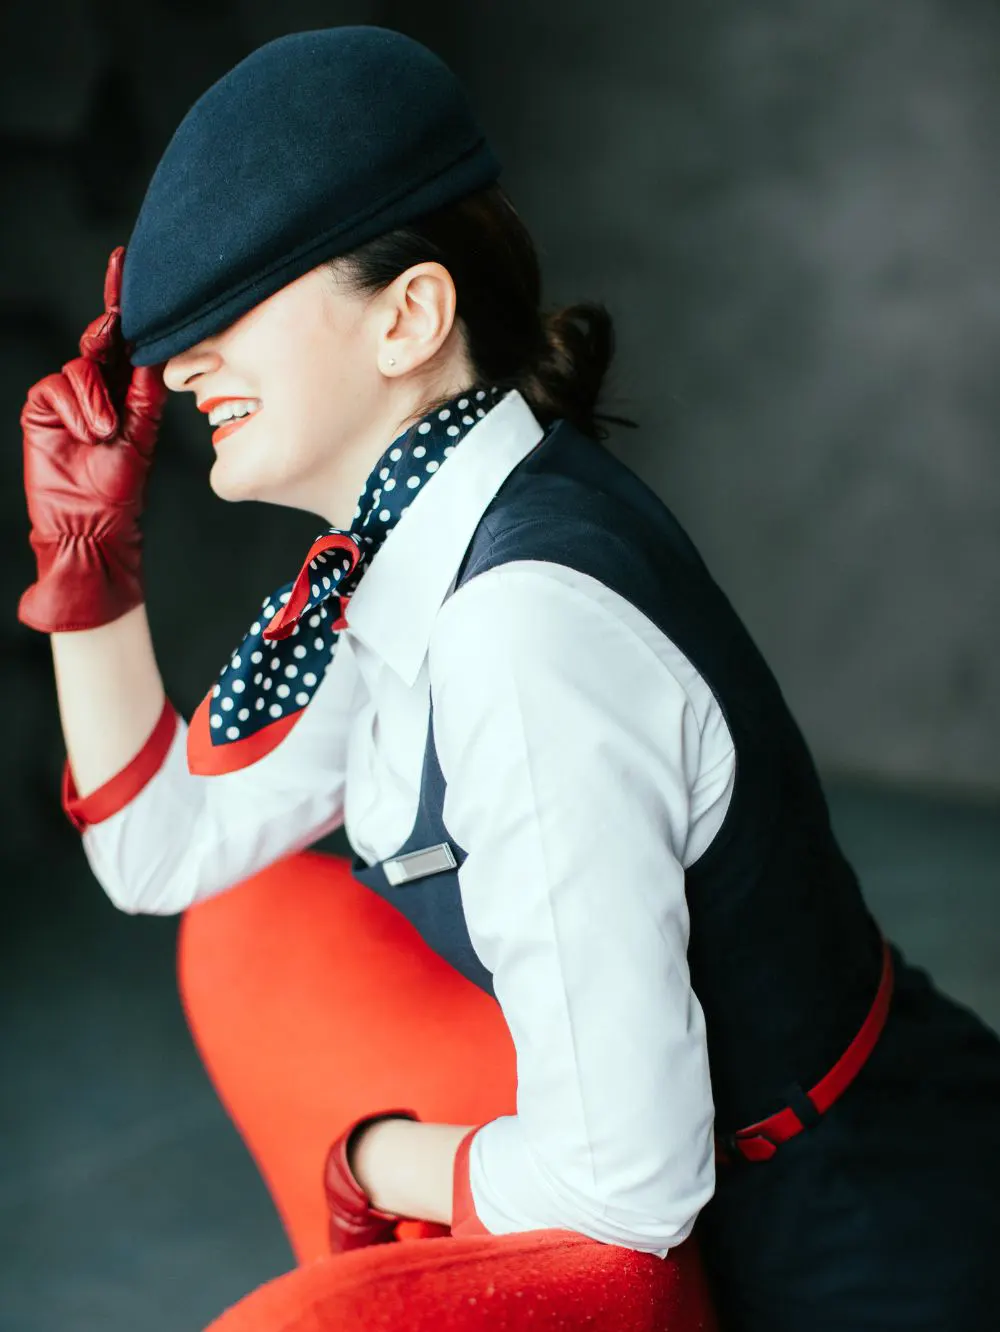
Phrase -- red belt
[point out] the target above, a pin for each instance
(759, 1142)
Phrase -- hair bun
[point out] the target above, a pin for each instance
(565, 379)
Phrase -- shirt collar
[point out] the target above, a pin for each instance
(394, 605)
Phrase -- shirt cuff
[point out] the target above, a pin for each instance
(119, 790)
(464, 1220)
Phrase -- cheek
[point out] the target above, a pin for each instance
(318, 394)
(311, 397)
(320, 415)
(294, 413)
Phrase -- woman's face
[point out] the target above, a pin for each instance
(331, 375)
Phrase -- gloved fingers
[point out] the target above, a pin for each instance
(101, 339)
(98, 339)
(86, 379)
(57, 403)
(113, 279)
(144, 400)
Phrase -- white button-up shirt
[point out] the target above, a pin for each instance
(587, 764)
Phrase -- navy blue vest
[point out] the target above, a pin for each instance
(784, 955)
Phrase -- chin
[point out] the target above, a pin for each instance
(234, 483)
(228, 484)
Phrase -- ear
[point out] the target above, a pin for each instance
(420, 307)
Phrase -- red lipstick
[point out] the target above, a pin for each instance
(229, 426)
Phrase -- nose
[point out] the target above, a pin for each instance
(181, 371)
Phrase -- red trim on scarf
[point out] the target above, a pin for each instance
(464, 1220)
(121, 789)
(208, 760)
(284, 621)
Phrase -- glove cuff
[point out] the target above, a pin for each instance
(344, 1194)
(82, 584)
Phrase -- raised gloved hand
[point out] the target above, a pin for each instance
(354, 1223)
(89, 434)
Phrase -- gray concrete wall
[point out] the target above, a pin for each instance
(793, 211)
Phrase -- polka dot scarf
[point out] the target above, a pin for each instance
(273, 674)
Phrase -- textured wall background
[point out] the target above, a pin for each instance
(790, 208)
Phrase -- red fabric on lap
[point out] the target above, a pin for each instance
(546, 1280)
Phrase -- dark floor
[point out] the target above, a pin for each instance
(127, 1202)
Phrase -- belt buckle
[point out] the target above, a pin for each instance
(727, 1150)
(737, 1150)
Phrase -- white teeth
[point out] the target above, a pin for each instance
(235, 408)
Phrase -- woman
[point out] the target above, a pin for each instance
(588, 833)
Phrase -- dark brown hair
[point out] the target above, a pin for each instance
(557, 360)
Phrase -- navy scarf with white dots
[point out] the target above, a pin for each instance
(274, 673)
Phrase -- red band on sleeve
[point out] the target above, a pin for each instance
(121, 789)
(464, 1220)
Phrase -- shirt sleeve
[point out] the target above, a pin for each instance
(159, 838)
(570, 751)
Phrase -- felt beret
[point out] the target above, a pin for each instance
(313, 144)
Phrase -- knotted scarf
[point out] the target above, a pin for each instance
(274, 673)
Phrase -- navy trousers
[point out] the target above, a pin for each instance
(885, 1216)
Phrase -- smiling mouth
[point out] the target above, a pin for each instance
(228, 427)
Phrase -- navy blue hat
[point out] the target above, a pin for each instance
(313, 144)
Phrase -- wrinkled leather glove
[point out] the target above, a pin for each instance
(89, 434)
(354, 1223)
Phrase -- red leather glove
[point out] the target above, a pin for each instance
(89, 433)
(354, 1223)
